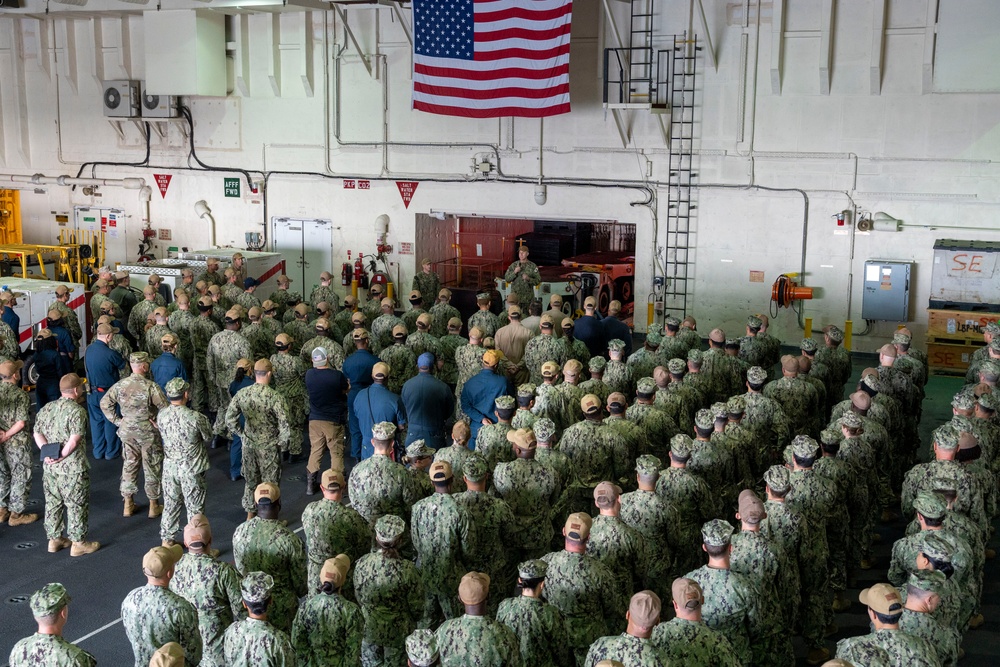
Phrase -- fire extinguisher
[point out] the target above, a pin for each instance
(345, 271)
(359, 273)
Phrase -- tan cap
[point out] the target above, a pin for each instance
(590, 404)
(9, 368)
(444, 292)
(474, 588)
(555, 299)
(399, 330)
(70, 381)
(882, 598)
(358, 317)
(590, 302)
(491, 358)
(266, 490)
(380, 371)
(335, 570)
(687, 593)
(326, 275)
(350, 300)
(98, 284)
(573, 367)
(255, 313)
(170, 654)
(197, 530)
(284, 279)
(46, 333)
(205, 301)
(577, 526)
(153, 278)
(717, 336)
(149, 290)
(187, 273)
(54, 314)
(524, 438)
(245, 364)
(425, 320)
(614, 307)
(476, 332)
(644, 609)
(414, 295)
(61, 290)
(268, 305)
(201, 286)
(333, 480)
(546, 321)
(514, 310)
(750, 507)
(440, 471)
(160, 560)
(359, 334)
(282, 339)
(386, 302)
(550, 369)
(263, 366)
(606, 494)
(301, 309)
(214, 290)
(169, 339)
(160, 312)
(861, 400)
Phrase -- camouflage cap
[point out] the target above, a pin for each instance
(992, 328)
(704, 419)
(756, 375)
(526, 390)
(266, 491)
(577, 526)
(804, 447)
(646, 386)
(170, 654)
(644, 609)
(671, 321)
(988, 402)
(754, 322)
(930, 505)
(475, 468)
(900, 339)
(962, 424)
(440, 472)
(834, 333)
(256, 587)
(417, 449)
(474, 588)
(389, 528)
(882, 598)
(532, 569)
(851, 420)
(750, 506)
(654, 338)
(421, 648)
(550, 369)
(505, 402)
(829, 436)
(648, 465)
(680, 446)
(926, 580)
(676, 366)
(808, 345)
(49, 599)
(176, 388)
(137, 358)
(946, 437)
(718, 411)
(590, 404)
(384, 431)
(544, 429)
(160, 560)
(935, 547)
(335, 570)
(990, 370)
(716, 533)
(777, 479)
(523, 438)
(616, 344)
(695, 356)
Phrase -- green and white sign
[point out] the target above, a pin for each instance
(232, 187)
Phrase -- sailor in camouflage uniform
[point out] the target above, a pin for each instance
(416, 310)
(211, 586)
(328, 628)
(523, 276)
(224, 350)
(139, 399)
(402, 362)
(476, 638)
(325, 292)
(491, 442)
(255, 642)
(341, 322)
(448, 346)
(373, 306)
(524, 417)
(457, 453)
(47, 648)
(179, 323)
(378, 485)
(427, 282)
(298, 328)
(443, 312)
(154, 615)
(634, 647)
(383, 325)
(421, 340)
(686, 639)
(575, 348)
(264, 434)
(142, 310)
(617, 376)
(797, 398)
(390, 594)
(885, 607)
(656, 520)
(185, 436)
(595, 385)
(265, 544)
(616, 544)
(538, 625)
(919, 619)
(281, 296)
(289, 382)
(324, 338)
(642, 362)
(655, 424)
(154, 334)
(837, 359)
(331, 527)
(468, 363)
(767, 419)
(597, 455)
(542, 348)
(201, 330)
(571, 393)
(15, 447)
(483, 318)
(692, 498)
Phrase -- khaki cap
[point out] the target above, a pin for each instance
(577, 526)
(386, 302)
(149, 290)
(614, 307)
(9, 368)
(444, 292)
(523, 438)
(687, 593)
(357, 317)
(205, 301)
(214, 290)
(555, 299)
(590, 404)
(335, 570)
(888, 350)
(440, 471)
(546, 321)
(609, 663)
(326, 275)
(160, 560)
(322, 323)
(160, 312)
(750, 506)
(474, 588)
(861, 400)
(282, 339)
(399, 330)
(284, 279)
(61, 290)
(121, 275)
(717, 336)
(268, 305)
(333, 480)
(514, 310)
(425, 320)
(882, 598)
(201, 286)
(255, 313)
(169, 339)
(550, 369)
(617, 397)
(350, 300)
(103, 329)
(197, 530)
(491, 358)
(98, 284)
(573, 366)
(606, 494)
(359, 334)
(170, 654)
(263, 366)
(245, 364)
(590, 302)
(375, 289)
(54, 314)
(455, 323)
(380, 371)
(43, 333)
(415, 295)
(266, 490)
(644, 609)
(187, 273)
(301, 309)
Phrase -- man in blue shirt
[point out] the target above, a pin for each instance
(65, 346)
(615, 328)
(244, 378)
(7, 302)
(358, 369)
(377, 404)
(327, 388)
(480, 393)
(104, 367)
(167, 366)
(589, 328)
(429, 403)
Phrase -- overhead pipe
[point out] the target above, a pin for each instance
(205, 213)
(41, 179)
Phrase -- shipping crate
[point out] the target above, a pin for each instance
(958, 324)
(950, 357)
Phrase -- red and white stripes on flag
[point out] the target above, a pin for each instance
(491, 58)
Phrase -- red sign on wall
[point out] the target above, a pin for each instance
(364, 185)
(406, 190)
(163, 182)
(349, 184)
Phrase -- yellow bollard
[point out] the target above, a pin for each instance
(848, 328)
(809, 327)
(354, 288)
(389, 289)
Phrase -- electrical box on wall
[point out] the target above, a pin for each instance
(886, 294)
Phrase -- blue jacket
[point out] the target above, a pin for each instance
(13, 320)
(376, 404)
(103, 365)
(615, 328)
(478, 397)
(428, 403)
(590, 330)
(165, 368)
(358, 369)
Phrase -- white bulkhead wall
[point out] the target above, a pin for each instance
(827, 116)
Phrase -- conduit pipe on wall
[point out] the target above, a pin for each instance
(41, 179)
(205, 213)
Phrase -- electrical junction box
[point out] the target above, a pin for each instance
(886, 294)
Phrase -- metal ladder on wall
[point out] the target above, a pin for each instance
(642, 68)
(677, 89)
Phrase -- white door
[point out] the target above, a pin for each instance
(112, 222)
(307, 247)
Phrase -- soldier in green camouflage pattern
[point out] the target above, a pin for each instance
(330, 527)
(491, 443)
(442, 312)
(211, 586)
(523, 276)
(101, 289)
(255, 642)
(618, 426)
(656, 520)
(550, 403)
(15, 446)
(390, 594)
(582, 589)
(328, 628)
(255, 334)
(712, 463)
(885, 606)
(224, 350)
(837, 471)
(531, 489)
(617, 376)
(154, 615)
(596, 454)
(642, 362)
(922, 477)
(570, 391)
(151, 339)
(340, 324)
(378, 485)
(797, 398)
(298, 329)
(616, 544)
(542, 348)
(524, 417)
(282, 295)
(634, 647)
(457, 453)
(738, 439)
(264, 434)
(325, 292)
(767, 420)
(70, 320)
(838, 359)
(483, 318)
(575, 348)
(417, 309)
(373, 305)
(440, 532)
(265, 544)
(180, 323)
(289, 382)
(421, 340)
(383, 324)
(686, 639)
(138, 399)
(448, 345)
(421, 649)
(137, 317)
(475, 638)
(692, 498)
(595, 385)
(919, 620)
(655, 424)
(490, 524)
(672, 399)
(202, 329)
(538, 625)
(402, 362)
(185, 436)
(47, 648)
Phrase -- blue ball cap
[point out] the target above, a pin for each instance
(425, 360)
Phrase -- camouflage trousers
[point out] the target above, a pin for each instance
(261, 463)
(213, 632)
(203, 397)
(222, 399)
(374, 655)
(72, 494)
(141, 447)
(15, 473)
(180, 489)
(281, 612)
(441, 604)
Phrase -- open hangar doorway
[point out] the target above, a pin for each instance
(576, 258)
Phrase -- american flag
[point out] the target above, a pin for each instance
(491, 58)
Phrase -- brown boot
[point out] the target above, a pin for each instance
(167, 544)
(840, 604)
(312, 483)
(58, 544)
(4, 513)
(84, 548)
(976, 621)
(155, 509)
(129, 506)
(817, 656)
(18, 519)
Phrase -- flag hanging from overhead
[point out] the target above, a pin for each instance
(491, 58)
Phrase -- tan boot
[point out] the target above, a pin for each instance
(18, 519)
(167, 544)
(155, 509)
(817, 656)
(58, 544)
(129, 506)
(840, 604)
(976, 621)
(84, 548)
(4, 513)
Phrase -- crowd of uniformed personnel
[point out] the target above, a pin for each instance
(533, 494)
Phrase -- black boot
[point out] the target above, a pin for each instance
(312, 483)
(219, 441)
(284, 456)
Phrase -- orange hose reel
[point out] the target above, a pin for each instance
(785, 290)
